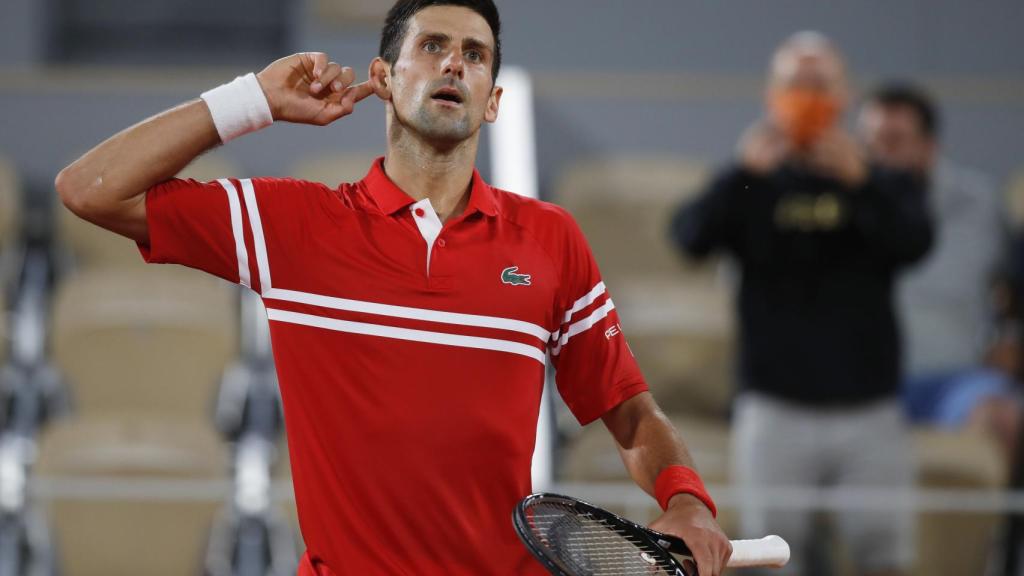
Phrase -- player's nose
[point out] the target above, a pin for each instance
(454, 65)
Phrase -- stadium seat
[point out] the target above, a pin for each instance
(956, 460)
(334, 168)
(952, 543)
(5, 320)
(10, 216)
(143, 350)
(10, 202)
(150, 341)
(1015, 199)
(624, 204)
(92, 246)
(132, 494)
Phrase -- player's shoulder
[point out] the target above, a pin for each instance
(293, 185)
(296, 191)
(550, 226)
(533, 214)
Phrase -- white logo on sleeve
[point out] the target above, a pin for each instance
(612, 332)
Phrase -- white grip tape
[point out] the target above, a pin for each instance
(238, 107)
(770, 552)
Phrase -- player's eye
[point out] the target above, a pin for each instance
(474, 56)
(431, 47)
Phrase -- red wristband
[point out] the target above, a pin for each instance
(681, 480)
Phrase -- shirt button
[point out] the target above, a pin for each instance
(419, 212)
(441, 243)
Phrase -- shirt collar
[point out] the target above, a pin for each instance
(390, 198)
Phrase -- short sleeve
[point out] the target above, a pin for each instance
(222, 227)
(594, 368)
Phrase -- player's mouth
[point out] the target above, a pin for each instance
(448, 96)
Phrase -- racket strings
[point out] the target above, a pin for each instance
(589, 545)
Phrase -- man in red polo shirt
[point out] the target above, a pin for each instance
(411, 313)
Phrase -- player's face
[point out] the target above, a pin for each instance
(441, 83)
(894, 137)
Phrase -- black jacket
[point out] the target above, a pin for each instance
(817, 324)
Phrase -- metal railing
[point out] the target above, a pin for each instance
(31, 392)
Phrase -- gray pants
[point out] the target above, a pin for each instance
(778, 444)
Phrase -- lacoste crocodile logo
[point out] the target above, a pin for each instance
(509, 276)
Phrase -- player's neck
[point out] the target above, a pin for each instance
(423, 171)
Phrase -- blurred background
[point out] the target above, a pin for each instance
(141, 431)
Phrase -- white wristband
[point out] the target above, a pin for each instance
(238, 107)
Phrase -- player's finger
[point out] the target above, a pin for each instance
(720, 554)
(706, 562)
(336, 78)
(319, 60)
(357, 92)
(726, 555)
(326, 78)
(342, 106)
(344, 80)
(339, 106)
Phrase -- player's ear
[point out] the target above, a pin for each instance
(493, 103)
(380, 78)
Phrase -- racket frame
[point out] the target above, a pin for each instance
(655, 539)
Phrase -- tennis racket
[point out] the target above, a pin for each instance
(573, 538)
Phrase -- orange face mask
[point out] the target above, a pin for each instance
(804, 115)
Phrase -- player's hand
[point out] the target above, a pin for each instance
(688, 518)
(838, 155)
(762, 148)
(306, 88)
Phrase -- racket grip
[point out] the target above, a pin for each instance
(770, 551)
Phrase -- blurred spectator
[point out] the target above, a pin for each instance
(819, 235)
(944, 302)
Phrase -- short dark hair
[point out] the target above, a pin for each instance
(908, 95)
(397, 24)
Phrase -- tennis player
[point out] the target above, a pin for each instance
(411, 312)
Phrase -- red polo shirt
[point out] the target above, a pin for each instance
(410, 354)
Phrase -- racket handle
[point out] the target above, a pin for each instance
(770, 551)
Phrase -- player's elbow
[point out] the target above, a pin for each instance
(75, 194)
(66, 189)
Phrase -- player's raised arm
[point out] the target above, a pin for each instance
(108, 185)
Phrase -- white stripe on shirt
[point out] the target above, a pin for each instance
(585, 301)
(584, 325)
(242, 255)
(580, 304)
(407, 312)
(406, 334)
(257, 234)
